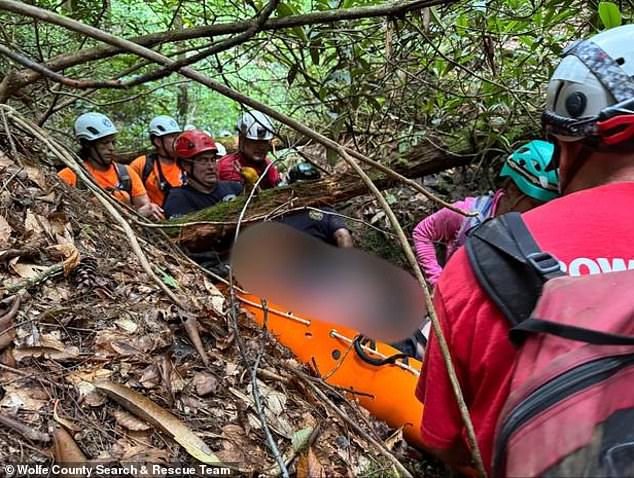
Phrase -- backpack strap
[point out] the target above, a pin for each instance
(483, 205)
(571, 332)
(150, 160)
(148, 166)
(125, 183)
(509, 265)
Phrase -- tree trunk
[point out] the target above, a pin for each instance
(182, 99)
(270, 203)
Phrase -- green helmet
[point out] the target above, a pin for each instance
(527, 165)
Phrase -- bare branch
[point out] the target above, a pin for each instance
(56, 108)
(80, 84)
(73, 25)
(256, 25)
(26, 77)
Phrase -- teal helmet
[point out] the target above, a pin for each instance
(527, 166)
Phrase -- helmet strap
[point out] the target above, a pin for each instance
(241, 140)
(190, 174)
(162, 143)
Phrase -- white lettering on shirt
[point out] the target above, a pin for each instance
(583, 266)
(586, 266)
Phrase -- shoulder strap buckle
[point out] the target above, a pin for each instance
(510, 266)
(543, 262)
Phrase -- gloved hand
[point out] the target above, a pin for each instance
(249, 175)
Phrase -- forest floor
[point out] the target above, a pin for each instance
(101, 319)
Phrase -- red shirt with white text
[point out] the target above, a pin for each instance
(590, 232)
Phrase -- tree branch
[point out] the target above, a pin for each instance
(26, 77)
(127, 45)
(42, 70)
(56, 108)
(256, 25)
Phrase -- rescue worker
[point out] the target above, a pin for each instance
(590, 116)
(197, 154)
(158, 169)
(322, 223)
(255, 133)
(96, 135)
(528, 185)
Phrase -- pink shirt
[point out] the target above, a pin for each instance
(444, 226)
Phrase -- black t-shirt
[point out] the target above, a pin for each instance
(316, 223)
(186, 199)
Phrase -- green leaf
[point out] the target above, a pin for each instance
(292, 73)
(170, 281)
(391, 199)
(300, 438)
(462, 21)
(285, 10)
(609, 14)
(167, 278)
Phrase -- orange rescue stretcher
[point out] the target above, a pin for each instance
(386, 391)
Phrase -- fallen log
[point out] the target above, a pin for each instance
(195, 232)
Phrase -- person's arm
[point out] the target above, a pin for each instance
(140, 199)
(440, 226)
(343, 237)
(336, 228)
(147, 208)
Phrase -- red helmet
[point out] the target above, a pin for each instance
(193, 142)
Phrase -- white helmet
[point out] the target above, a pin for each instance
(163, 125)
(255, 125)
(593, 84)
(221, 150)
(93, 126)
(189, 127)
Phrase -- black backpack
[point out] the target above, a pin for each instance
(509, 265)
(150, 160)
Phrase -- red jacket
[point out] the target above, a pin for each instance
(227, 170)
(590, 232)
